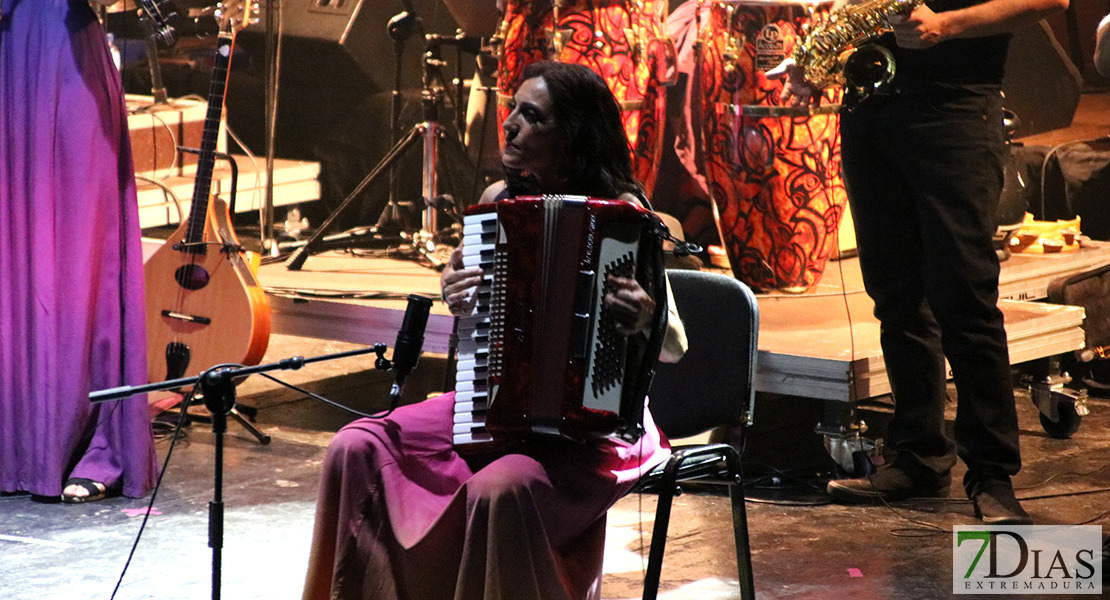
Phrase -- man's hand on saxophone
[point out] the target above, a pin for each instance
(920, 29)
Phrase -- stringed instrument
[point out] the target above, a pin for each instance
(204, 306)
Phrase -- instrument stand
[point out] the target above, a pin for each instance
(241, 413)
(389, 230)
(267, 238)
(400, 28)
(219, 397)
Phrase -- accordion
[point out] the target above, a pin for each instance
(539, 353)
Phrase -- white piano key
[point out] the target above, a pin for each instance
(470, 386)
(472, 438)
(465, 428)
(476, 223)
(474, 419)
(472, 365)
(470, 409)
(485, 239)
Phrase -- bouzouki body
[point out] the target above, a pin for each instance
(203, 310)
(204, 306)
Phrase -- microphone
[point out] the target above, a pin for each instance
(410, 343)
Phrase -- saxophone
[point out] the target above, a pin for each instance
(828, 44)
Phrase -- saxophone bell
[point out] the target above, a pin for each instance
(838, 41)
(866, 69)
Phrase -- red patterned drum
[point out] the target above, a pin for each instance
(623, 41)
(773, 171)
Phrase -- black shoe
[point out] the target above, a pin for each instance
(995, 504)
(887, 484)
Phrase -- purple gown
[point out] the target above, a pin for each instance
(402, 516)
(71, 299)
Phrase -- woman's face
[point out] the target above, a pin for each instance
(532, 142)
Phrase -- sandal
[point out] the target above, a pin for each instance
(94, 490)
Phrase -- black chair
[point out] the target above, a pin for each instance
(712, 386)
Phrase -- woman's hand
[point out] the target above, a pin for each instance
(457, 284)
(631, 306)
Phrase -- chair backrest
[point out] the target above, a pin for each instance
(713, 385)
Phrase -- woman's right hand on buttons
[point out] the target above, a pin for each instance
(457, 284)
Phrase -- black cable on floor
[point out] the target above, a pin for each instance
(154, 494)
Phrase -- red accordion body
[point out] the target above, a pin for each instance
(540, 353)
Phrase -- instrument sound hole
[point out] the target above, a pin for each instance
(191, 277)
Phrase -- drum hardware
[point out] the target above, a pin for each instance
(638, 50)
(424, 244)
(734, 44)
(748, 110)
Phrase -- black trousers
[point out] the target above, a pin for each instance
(923, 172)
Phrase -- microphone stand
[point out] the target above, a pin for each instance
(218, 390)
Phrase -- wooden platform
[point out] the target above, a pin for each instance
(827, 346)
(825, 343)
(1026, 276)
(362, 300)
(294, 182)
(166, 175)
(822, 344)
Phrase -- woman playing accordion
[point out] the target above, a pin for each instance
(401, 513)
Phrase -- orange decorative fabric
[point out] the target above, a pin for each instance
(624, 42)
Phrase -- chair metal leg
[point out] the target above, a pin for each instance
(669, 489)
(659, 532)
(743, 545)
(658, 545)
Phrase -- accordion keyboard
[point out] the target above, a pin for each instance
(473, 368)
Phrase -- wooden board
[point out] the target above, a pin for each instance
(825, 343)
(362, 300)
(821, 344)
(294, 182)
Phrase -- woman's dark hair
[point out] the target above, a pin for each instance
(596, 160)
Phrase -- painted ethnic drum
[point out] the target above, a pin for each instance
(624, 41)
(773, 171)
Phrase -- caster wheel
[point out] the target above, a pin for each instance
(1066, 426)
